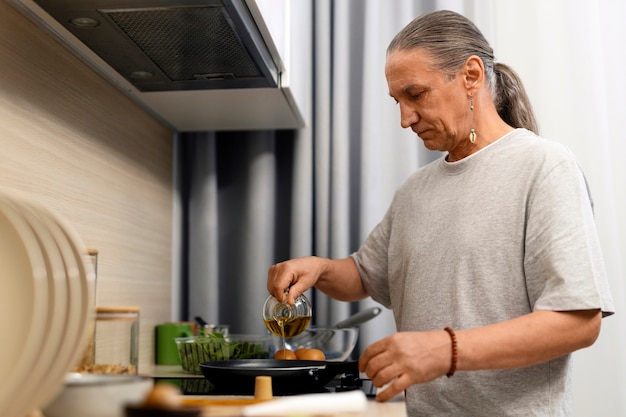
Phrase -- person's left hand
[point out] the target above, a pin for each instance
(406, 358)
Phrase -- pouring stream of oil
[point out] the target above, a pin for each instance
(287, 328)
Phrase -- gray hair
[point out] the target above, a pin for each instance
(452, 38)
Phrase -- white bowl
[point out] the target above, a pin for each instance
(96, 395)
(337, 344)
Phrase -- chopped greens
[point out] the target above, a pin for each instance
(214, 347)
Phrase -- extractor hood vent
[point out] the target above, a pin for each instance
(197, 65)
(171, 45)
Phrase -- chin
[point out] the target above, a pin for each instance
(430, 145)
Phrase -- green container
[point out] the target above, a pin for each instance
(165, 335)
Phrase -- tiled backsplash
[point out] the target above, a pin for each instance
(71, 140)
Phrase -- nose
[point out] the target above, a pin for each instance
(408, 116)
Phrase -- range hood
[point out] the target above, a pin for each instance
(196, 64)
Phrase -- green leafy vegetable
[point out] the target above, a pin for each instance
(214, 347)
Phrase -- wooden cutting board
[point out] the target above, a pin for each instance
(219, 406)
(232, 406)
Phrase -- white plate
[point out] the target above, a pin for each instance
(80, 306)
(23, 300)
(39, 380)
(85, 285)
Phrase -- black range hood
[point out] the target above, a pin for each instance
(172, 45)
(197, 65)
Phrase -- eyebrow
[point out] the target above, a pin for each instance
(406, 90)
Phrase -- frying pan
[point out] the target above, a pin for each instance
(288, 376)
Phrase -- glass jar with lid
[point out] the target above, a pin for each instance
(116, 340)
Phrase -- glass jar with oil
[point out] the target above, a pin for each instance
(286, 320)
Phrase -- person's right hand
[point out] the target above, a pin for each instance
(294, 277)
(406, 358)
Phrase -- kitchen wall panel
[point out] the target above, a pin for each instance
(71, 140)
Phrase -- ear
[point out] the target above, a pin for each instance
(473, 73)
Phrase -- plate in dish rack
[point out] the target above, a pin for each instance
(46, 303)
(79, 284)
(23, 299)
(53, 337)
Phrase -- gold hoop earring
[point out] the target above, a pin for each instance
(472, 134)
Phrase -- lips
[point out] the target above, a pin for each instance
(420, 133)
(419, 130)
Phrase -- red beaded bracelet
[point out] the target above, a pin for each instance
(455, 352)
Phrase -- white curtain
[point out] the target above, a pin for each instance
(571, 56)
(358, 160)
(332, 181)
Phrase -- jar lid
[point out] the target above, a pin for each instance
(117, 309)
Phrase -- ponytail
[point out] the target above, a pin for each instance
(511, 99)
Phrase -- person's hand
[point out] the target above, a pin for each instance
(295, 276)
(404, 359)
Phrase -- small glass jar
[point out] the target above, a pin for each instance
(286, 320)
(116, 340)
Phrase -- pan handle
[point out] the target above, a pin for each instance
(358, 318)
(329, 370)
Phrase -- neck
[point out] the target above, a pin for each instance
(489, 127)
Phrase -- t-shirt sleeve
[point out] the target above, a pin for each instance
(372, 262)
(563, 261)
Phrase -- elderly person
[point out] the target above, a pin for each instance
(488, 257)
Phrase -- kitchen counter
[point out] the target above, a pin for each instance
(394, 408)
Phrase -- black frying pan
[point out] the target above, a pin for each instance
(288, 376)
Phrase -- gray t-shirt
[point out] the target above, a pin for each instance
(504, 232)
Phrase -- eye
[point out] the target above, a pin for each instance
(416, 93)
